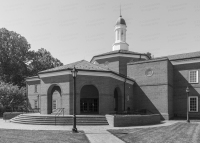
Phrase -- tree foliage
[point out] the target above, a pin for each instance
(17, 61)
(14, 49)
(150, 55)
(12, 96)
(41, 60)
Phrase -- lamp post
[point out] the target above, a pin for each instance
(124, 94)
(38, 103)
(26, 97)
(74, 74)
(188, 91)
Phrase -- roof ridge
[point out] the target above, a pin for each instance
(183, 53)
(78, 62)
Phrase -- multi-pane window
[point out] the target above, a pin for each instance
(193, 104)
(35, 104)
(54, 104)
(193, 76)
(36, 88)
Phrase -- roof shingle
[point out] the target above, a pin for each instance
(84, 65)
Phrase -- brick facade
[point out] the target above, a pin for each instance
(181, 81)
(105, 86)
(159, 86)
(152, 92)
(119, 63)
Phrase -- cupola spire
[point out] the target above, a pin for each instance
(120, 11)
(120, 34)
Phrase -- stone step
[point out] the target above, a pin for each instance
(69, 121)
(59, 117)
(60, 120)
(57, 123)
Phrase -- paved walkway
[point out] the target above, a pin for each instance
(95, 134)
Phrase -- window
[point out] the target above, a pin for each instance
(193, 104)
(36, 88)
(35, 104)
(193, 76)
(54, 104)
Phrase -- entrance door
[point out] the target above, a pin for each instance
(89, 106)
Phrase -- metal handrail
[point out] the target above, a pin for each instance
(59, 111)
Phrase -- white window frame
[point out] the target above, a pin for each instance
(36, 88)
(197, 74)
(196, 103)
(53, 104)
(35, 105)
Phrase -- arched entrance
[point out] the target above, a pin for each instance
(117, 100)
(53, 98)
(89, 100)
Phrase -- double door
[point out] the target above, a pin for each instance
(89, 106)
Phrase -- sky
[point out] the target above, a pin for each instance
(73, 30)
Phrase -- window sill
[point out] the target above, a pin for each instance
(194, 82)
(193, 111)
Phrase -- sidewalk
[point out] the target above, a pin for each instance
(95, 134)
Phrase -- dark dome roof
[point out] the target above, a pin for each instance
(120, 20)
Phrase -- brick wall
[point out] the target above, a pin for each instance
(118, 64)
(123, 63)
(32, 95)
(181, 78)
(170, 90)
(105, 86)
(132, 120)
(64, 85)
(152, 91)
(113, 63)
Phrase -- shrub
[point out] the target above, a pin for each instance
(11, 96)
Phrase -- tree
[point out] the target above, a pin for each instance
(12, 96)
(41, 60)
(150, 55)
(17, 61)
(13, 56)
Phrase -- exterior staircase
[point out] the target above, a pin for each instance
(37, 119)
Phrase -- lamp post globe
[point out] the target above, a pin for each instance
(188, 91)
(74, 74)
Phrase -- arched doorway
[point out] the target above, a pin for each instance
(53, 98)
(117, 100)
(89, 100)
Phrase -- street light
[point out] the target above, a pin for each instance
(38, 103)
(188, 91)
(74, 74)
(124, 94)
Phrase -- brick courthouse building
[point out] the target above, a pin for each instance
(118, 80)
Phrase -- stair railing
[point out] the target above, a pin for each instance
(58, 112)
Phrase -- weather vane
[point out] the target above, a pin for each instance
(120, 11)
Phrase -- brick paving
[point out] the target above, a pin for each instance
(95, 134)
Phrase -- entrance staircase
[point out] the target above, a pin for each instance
(38, 119)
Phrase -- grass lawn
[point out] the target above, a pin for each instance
(26, 136)
(176, 133)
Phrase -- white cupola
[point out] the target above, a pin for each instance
(120, 35)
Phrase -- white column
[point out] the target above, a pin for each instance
(124, 35)
(115, 35)
(118, 35)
